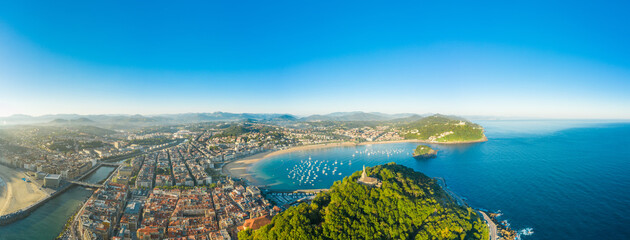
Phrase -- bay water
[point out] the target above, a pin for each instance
(564, 179)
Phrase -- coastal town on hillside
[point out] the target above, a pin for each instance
(314, 120)
(169, 182)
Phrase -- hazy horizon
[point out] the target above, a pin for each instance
(470, 117)
(303, 59)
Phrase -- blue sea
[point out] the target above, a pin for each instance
(564, 179)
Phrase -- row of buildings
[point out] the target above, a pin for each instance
(102, 211)
(192, 213)
(380, 133)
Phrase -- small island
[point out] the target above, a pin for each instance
(424, 152)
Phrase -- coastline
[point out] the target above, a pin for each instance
(484, 139)
(240, 168)
(29, 193)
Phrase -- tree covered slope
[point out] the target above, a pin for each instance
(424, 151)
(409, 205)
(439, 128)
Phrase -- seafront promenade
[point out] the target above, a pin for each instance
(491, 225)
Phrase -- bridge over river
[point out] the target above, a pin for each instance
(86, 184)
(12, 217)
(93, 185)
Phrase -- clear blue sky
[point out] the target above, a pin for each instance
(530, 59)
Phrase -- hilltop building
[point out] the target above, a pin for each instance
(369, 181)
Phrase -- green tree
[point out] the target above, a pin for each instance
(408, 205)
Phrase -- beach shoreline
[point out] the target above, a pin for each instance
(29, 193)
(240, 168)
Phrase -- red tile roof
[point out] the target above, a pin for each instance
(256, 223)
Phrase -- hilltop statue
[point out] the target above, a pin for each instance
(369, 181)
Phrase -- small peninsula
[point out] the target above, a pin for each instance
(424, 152)
(444, 129)
(408, 205)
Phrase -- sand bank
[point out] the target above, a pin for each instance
(17, 193)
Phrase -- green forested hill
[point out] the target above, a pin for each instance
(408, 205)
(439, 128)
(424, 151)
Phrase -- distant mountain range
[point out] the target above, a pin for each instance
(65, 121)
(137, 119)
(357, 116)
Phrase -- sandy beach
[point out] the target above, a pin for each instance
(240, 168)
(15, 193)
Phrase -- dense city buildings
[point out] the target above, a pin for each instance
(101, 213)
(169, 182)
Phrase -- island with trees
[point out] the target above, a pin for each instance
(424, 152)
(407, 205)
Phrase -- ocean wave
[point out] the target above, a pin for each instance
(526, 231)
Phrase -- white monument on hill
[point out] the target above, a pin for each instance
(369, 181)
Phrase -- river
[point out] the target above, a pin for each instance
(48, 220)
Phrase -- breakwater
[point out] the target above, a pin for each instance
(22, 213)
